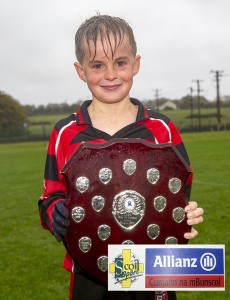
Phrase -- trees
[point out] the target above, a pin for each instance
(13, 120)
(52, 108)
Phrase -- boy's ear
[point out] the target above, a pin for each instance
(136, 65)
(80, 71)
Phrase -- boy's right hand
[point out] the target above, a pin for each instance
(60, 221)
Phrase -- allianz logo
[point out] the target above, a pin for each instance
(207, 262)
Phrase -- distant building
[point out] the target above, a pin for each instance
(168, 105)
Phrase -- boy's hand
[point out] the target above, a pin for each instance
(60, 221)
(194, 215)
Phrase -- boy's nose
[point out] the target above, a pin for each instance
(110, 73)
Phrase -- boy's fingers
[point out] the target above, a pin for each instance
(195, 221)
(57, 237)
(191, 206)
(196, 213)
(191, 235)
(62, 209)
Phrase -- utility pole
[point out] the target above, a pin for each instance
(157, 98)
(191, 100)
(217, 78)
(198, 101)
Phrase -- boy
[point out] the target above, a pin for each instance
(107, 63)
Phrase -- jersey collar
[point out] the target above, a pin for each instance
(83, 117)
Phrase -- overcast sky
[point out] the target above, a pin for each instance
(178, 40)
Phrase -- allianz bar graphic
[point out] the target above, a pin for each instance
(182, 267)
(166, 267)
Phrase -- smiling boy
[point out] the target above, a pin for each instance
(107, 62)
(108, 67)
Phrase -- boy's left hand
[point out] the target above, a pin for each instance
(194, 217)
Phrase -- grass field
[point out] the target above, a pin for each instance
(30, 258)
(178, 117)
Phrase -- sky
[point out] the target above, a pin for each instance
(180, 41)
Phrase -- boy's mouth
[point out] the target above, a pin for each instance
(111, 87)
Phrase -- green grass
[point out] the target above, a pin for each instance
(209, 154)
(178, 117)
(45, 130)
(31, 259)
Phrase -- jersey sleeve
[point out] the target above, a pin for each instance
(178, 143)
(54, 183)
(165, 131)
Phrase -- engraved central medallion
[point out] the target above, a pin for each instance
(128, 209)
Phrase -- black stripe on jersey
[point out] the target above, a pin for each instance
(141, 109)
(135, 131)
(60, 124)
(51, 171)
(130, 131)
(86, 135)
(181, 148)
(84, 113)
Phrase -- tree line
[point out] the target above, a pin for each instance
(183, 103)
(14, 117)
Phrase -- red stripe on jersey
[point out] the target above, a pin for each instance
(79, 113)
(64, 148)
(176, 138)
(146, 114)
(51, 187)
(162, 132)
(71, 286)
(52, 141)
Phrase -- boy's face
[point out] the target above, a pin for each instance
(108, 78)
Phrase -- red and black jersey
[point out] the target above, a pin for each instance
(70, 132)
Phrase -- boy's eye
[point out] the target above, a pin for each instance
(97, 66)
(121, 63)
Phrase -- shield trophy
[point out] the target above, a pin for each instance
(125, 191)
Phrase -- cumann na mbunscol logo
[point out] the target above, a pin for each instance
(126, 268)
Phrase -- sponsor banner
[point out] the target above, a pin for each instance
(189, 282)
(166, 267)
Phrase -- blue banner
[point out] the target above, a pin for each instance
(181, 260)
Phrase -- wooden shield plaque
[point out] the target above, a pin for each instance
(123, 191)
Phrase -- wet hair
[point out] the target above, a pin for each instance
(103, 27)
